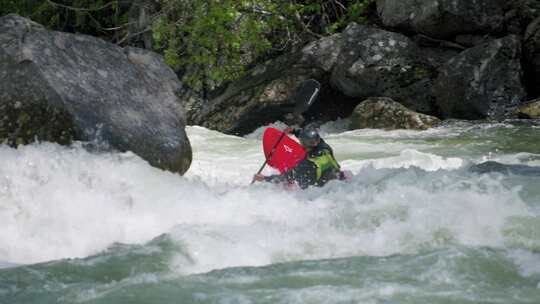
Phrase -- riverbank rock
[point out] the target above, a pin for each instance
(531, 56)
(529, 110)
(482, 82)
(443, 18)
(373, 62)
(357, 63)
(261, 97)
(384, 113)
(61, 87)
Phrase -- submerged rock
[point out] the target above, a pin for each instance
(61, 87)
(384, 113)
(492, 166)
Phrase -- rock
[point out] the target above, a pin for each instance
(529, 110)
(531, 57)
(374, 62)
(443, 18)
(357, 63)
(519, 14)
(481, 82)
(384, 113)
(61, 87)
(263, 96)
(472, 40)
(493, 166)
(324, 52)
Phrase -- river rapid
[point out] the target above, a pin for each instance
(414, 225)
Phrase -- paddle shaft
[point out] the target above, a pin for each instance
(269, 155)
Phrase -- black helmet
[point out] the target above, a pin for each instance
(309, 137)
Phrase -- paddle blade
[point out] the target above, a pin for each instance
(306, 94)
(282, 155)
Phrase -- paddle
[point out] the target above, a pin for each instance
(305, 95)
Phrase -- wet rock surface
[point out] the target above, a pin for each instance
(385, 113)
(61, 87)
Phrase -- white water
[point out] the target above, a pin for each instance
(58, 202)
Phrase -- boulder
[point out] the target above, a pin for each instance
(443, 18)
(61, 87)
(324, 52)
(529, 110)
(495, 167)
(519, 14)
(375, 62)
(358, 63)
(531, 57)
(384, 113)
(481, 82)
(264, 95)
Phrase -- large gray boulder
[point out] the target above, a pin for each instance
(375, 62)
(482, 82)
(443, 18)
(384, 113)
(61, 87)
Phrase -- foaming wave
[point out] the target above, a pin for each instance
(60, 202)
(381, 212)
(406, 159)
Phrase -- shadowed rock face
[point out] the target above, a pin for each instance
(61, 87)
(264, 95)
(484, 81)
(443, 18)
(531, 56)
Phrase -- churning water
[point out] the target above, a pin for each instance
(415, 225)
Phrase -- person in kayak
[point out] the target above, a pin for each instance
(318, 167)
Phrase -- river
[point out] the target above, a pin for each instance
(414, 225)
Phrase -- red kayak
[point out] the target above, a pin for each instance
(286, 151)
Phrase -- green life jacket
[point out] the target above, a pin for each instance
(325, 161)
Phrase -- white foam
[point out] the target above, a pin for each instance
(528, 262)
(59, 202)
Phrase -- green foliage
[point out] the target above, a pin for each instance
(208, 42)
(213, 41)
(102, 18)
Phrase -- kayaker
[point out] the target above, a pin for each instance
(318, 167)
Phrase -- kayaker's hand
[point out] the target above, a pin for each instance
(288, 130)
(258, 177)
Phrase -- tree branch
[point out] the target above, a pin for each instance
(80, 9)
